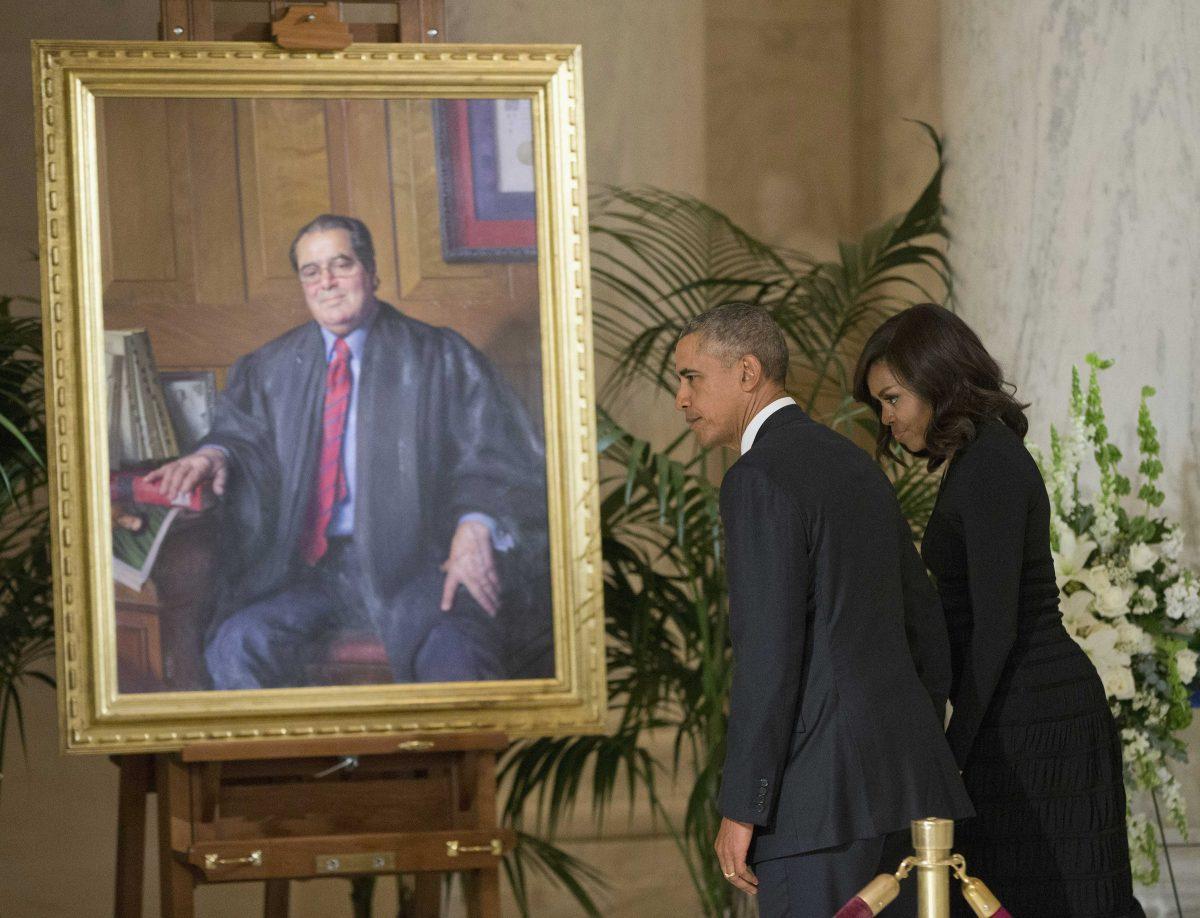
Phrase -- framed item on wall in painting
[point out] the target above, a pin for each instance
(316, 473)
(486, 179)
(191, 397)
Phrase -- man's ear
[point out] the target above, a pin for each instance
(751, 372)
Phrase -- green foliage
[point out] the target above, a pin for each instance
(659, 259)
(26, 608)
(1151, 466)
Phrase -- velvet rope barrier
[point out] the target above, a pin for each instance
(932, 839)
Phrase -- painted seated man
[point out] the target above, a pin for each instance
(376, 472)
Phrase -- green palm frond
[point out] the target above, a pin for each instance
(661, 258)
(26, 605)
(537, 855)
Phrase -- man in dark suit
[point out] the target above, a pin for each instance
(376, 472)
(841, 659)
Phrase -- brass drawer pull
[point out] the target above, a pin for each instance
(213, 861)
(415, 745)
(454, 849)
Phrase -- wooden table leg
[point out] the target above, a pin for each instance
(427, 897)
(483, 893)
(133, 786)
(276, 898)
(176, 882)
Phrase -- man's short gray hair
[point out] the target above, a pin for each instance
(732, 330)
(360, 238)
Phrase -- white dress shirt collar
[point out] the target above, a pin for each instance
(759, 419)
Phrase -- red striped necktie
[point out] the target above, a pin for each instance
(331, 486)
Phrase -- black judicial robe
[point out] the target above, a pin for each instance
(439, 435)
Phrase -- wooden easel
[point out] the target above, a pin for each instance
(308, 808)
(280, 810)
(194, 20)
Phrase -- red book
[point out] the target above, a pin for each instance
(132, 488)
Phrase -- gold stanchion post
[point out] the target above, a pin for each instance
(933, 840)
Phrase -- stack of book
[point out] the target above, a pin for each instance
(139, 426)
(141, 437)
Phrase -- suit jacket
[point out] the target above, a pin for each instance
(439, 435)
(841, 658)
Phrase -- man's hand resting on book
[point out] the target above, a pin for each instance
(179, 477)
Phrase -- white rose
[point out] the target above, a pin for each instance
(1118, 682)
(1134, 639)
(1112, 600)
(1142, 558)
(1185, 660)
(1094, 578)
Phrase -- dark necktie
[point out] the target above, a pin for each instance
(331, 486)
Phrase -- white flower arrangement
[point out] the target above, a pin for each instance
(1126, 600)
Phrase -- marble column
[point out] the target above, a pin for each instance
(1073, 135)
(1073, 191)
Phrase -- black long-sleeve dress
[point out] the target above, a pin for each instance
(1031, 727)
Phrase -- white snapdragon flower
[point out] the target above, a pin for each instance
(1135, 743)
(1144, 600)
(1172, 543)
(1172, 795)
(1071, 558)
(1185, 660)
(1142, 558)
(1104, 527)
(1182, 600)
(1153, 709)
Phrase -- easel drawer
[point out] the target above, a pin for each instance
(324, 856)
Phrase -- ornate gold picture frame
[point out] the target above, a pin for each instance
(182, 188)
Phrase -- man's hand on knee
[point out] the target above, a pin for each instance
(471, 564)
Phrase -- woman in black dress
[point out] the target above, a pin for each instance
(1031, 727)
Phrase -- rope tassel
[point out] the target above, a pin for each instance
(981, 899)
(872, 898)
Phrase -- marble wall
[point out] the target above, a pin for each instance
(1073, 135)
(1073, 191)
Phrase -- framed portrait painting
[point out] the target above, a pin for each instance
(320, 384)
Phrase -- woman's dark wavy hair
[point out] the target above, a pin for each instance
(935, 354)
